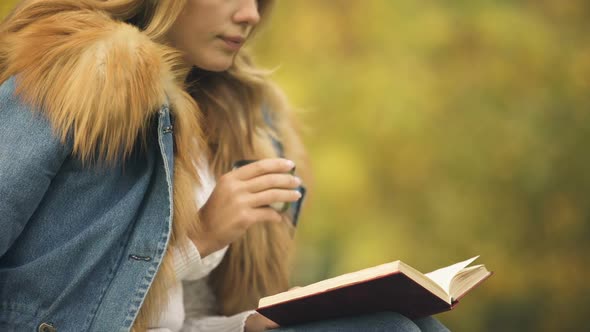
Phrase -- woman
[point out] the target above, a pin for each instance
(126, 112)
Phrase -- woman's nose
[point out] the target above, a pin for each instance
(247, 13)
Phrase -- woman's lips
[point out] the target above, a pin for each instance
(234, 43)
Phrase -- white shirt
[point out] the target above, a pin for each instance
(191, 302)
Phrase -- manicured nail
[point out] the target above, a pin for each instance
(290, 163)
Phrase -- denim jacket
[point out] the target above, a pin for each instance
(98, 233)
(79, 245)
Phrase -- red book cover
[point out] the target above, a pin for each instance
(392, 292)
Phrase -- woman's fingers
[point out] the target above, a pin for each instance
(258, 323)
(262, 167)
(265, 214)
(267, 197)
(270, 181)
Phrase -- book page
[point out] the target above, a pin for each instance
(467, 279)
(444, 276)
(335, 282)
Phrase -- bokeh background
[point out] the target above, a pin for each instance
(441, 130)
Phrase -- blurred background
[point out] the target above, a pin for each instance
(441, 130)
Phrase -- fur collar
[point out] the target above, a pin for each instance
(101, 81)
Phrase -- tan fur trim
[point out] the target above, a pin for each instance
(101, 81)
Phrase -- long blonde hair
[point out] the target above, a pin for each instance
(234, 128)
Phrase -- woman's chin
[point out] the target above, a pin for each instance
(219, 65)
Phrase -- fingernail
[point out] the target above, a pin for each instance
(290, 163)
(298, 180)
(298, 193)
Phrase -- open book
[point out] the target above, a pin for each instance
(394, 286)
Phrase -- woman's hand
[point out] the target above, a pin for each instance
(258, 323)
(241, 198)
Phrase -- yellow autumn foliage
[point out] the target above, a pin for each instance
(443, 130)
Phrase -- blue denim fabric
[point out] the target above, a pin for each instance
(379, 322)
(79, 244)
